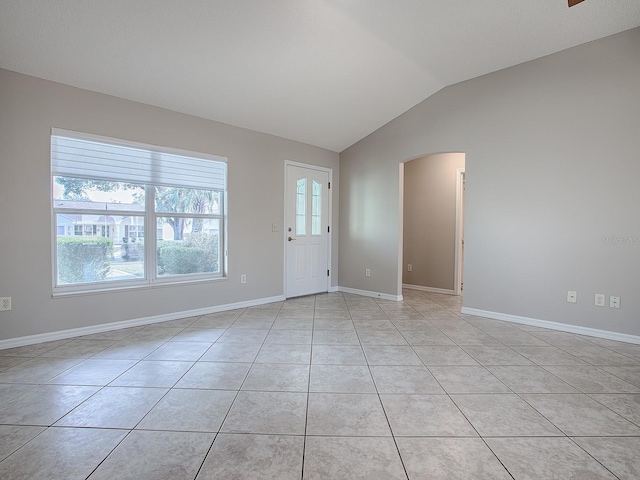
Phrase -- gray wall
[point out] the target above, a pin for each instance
(429, 232)
(30, 107)
(552, 172)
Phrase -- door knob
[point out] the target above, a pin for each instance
(291, 238)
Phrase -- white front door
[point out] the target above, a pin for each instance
(306, 230)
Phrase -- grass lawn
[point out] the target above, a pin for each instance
(133, 268)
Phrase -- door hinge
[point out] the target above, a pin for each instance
(327, 273)
(328, 229)
(329, 185)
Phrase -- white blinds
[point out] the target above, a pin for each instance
(79, 155)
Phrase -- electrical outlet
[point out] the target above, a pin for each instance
(572, 296)
(599, 300)
(614, 302)
(243, 278)
(409, 268)
(5, 303)
(367, 272)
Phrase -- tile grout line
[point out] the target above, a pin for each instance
(306, 414)
(393, 437)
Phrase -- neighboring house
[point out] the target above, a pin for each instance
(112, 226)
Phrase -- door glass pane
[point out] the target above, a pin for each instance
(301, 206)
(316, 209)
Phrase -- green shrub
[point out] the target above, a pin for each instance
(197, 253)
(83, 259)
(178, 259)
(209, 244)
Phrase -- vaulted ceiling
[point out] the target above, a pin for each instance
(323, 72)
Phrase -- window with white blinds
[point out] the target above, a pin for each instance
(128, 214)
(80, 155)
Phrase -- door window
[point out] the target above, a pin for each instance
(316, 209)
(301, 207)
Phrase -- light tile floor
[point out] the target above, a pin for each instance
(330, 386)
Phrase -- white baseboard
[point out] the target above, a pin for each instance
(564, 327)
(333, 289)
(366, 293)
(428, 289)
(106, 327)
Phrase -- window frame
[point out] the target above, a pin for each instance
(151, 278)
